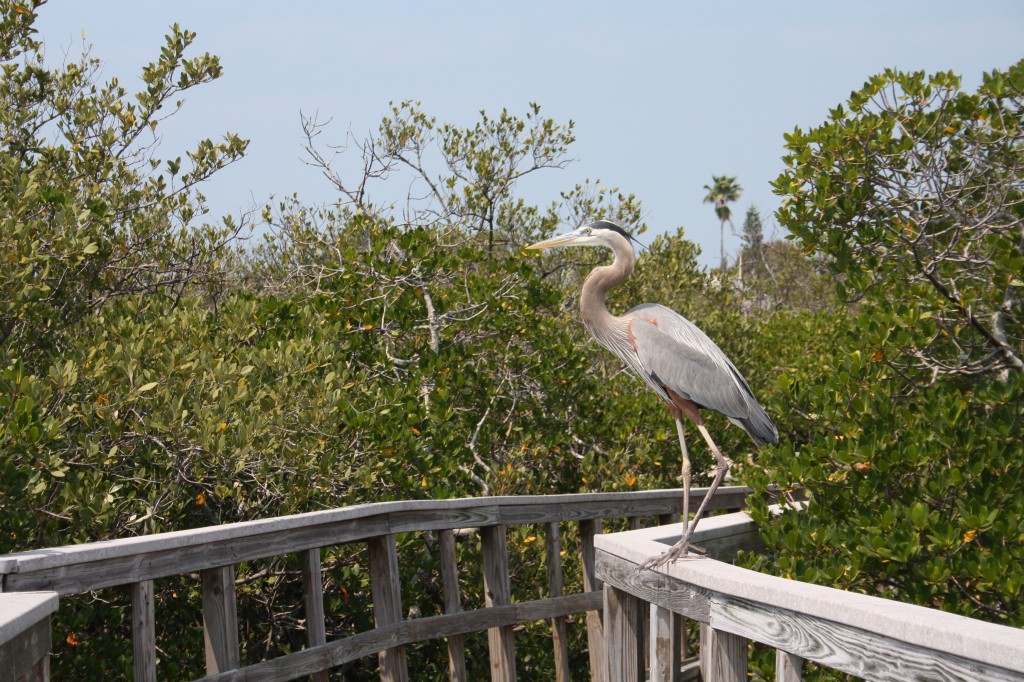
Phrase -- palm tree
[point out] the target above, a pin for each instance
(723, 190)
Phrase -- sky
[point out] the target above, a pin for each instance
(663, 94)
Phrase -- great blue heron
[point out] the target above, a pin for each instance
(674, 358)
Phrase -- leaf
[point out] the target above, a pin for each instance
(147, 387)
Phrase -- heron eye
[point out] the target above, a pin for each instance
(589, 231)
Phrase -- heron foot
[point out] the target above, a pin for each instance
(680, 550)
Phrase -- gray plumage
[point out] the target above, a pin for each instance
(671, 354)
(675, 353)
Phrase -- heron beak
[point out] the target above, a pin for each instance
(567, 239)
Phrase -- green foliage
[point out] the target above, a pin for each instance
(905, 431)
(913, 191)
(88, 215)
(153, 377)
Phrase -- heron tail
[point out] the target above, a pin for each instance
(758, 425)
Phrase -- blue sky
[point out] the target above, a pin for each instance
(664, 94)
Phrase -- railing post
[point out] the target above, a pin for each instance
(498, 592)
(143, 632)
(313, 600)
(788, 667)
(595, 628)
(666, 646)
(559, 632)
(220, 619)
(452, 604)
(624, 635)
(25, 635)
(723, 656)
(387, 603)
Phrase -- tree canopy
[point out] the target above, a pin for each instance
(158, 374)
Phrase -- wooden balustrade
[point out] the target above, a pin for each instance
(213, 553)
(25, 636)
(869, 637)
(634, 619)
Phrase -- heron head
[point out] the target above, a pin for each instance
(594, 233)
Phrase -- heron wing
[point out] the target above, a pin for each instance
(678, 355)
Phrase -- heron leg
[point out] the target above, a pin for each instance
(723, 466)
(682, 547)
(687, 475)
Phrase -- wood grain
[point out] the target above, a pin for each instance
(81, 568)
(866, 636)
(665, 645)
(143, 632)
(313, 601)
(559, 630)
(654, 587)
(452, 604)
(624, 635)
(220, 619)
(498, 592)
(589, 529)
(387, 604)
(725, 657)
(788, 667)
(25, 656)
(873, 656)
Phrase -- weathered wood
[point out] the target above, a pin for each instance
(25, 656)
(702, 648)
(452, 604)
(589, 529)
(788, 667)
(220, 619)
(143, 632)
(313, 602)
(624, 635)
(387, 603)
(498, 592)
(654, 587)
(25, 636)
(866, 636)
(725, 657)
(559, 629)
(874, 656)
(666, 639)
(81, 568)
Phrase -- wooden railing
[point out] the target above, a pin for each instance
(869, 637)
(214, 552)
(25, 636)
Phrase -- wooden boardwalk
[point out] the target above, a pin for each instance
(634, 619)
(869, 637)
(214, 552)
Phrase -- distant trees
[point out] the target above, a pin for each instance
(753, 229)
(154, 375)
(721, 192)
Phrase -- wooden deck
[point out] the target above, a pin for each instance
(869, 637)
(213, 553)
(633, 619)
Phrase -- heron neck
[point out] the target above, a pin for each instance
(593, 308)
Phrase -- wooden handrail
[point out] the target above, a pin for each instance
(863, 635)
(74, 569)
(25, 635)
(213, 552)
